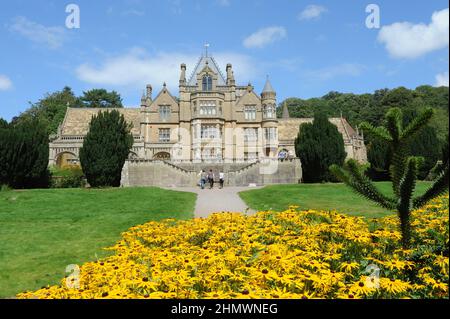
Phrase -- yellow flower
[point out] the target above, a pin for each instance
(348, 267)
(394, 286)
(292, 254)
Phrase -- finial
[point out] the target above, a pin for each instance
(207, 45)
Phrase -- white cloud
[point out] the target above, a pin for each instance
(442, 79)
(312, 12)
(5, 83)
(136, 68)
(52, 37)
(265, 36)
(342, 70)
(407, 40)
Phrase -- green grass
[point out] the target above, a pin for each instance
(318, 196)
(43, 231)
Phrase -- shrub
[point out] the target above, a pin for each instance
(105, 149)
(70, 176)
(318, 146)
(24, 155)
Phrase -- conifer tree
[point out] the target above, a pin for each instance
(24, 152)
(105, 149)
(318, 146)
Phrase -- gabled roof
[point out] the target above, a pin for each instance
(163, 91)
(212, 64)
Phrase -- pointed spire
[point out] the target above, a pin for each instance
(285, 111)
(268, 86)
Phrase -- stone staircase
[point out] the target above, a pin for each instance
(168, 174)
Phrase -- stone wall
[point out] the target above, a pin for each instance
(156, 173)
(165, 174)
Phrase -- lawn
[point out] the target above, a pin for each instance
(318, 196)
(43, 231)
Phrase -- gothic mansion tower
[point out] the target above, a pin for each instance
(214, 122)
(214, 119)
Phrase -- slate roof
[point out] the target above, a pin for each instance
(268, 87)
(76, 121)
(288, 128)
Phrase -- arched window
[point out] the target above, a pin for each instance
(207, 83)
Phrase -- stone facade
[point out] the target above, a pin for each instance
(213, 124)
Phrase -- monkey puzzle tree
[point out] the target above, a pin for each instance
(403, 170)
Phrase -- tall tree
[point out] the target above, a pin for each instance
(24, 155)
(50, 110)
(403, 170)
(318, 146)
(3, 123)
(378, 155)
(100, 98)
(105, 149)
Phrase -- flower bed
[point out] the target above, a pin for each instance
(291, 254)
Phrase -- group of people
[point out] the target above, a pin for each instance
(210, 177)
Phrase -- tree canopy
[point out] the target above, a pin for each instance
(371, 108)
(51, 109)
(100, 98)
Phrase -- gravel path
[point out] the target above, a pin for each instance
(218, 200)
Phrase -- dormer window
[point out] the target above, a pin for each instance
(207, 83)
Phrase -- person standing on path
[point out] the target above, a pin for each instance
(221, 179)
(203, 177)
(211, 179)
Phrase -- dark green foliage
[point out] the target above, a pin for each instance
(105, 149)
(372, 108)
(100, 98)
(378, 156)
(50, 110)
(426, 145)
(444, 152)
(403, 169)
(24, 155)
(318, 146)
(3, 123)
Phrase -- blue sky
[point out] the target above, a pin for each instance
(307, 47)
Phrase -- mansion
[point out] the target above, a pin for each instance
(212, 123)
